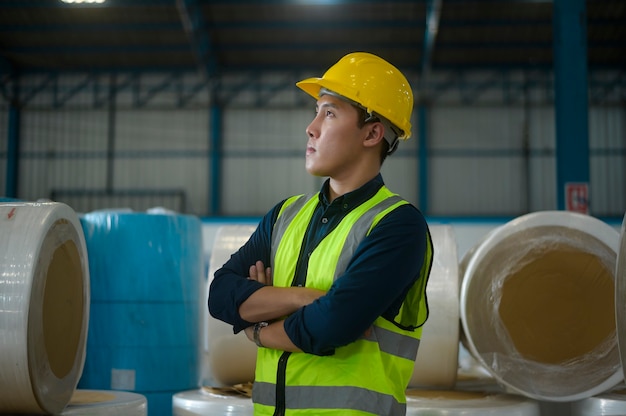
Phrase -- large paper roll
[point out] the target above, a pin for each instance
(471, 371)
(620, 295)
(611, 403)
(436, 365)
(229, 358)
(44, 306)
(537, 306)
(146, 275)
(106, 403)
(232, 358)
(207, 402)
(465, 403)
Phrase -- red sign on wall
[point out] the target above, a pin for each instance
(577, 197)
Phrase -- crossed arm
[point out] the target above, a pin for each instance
(272, 303)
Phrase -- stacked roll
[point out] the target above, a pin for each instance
(460, 403)
(209, 401)
(232, 358)
(229, 358)
(147, 274)
(436, 364)
(537, 306)
(44, 307)
(106, 403)
(620, 295)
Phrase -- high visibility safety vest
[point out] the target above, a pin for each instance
(368, 376)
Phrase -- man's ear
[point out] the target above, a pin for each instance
(376, 133)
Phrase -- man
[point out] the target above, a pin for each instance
(338, 313)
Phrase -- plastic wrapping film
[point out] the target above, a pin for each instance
(106, 403)
(204, 402)
(620, 295)
(611, 403)
(468, 256)
(436, 364)
(147, 276)
(228, 358)
(44, 306)
(537, 305)
(460, 403)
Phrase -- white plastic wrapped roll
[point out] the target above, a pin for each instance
(620, 295)
(232, 358)
(612, 403)
(537, 306)
(204, 402)
(459, 403)
(229, 358)
(106, 403)
(471, 372)
(44, 307)
(437, 358)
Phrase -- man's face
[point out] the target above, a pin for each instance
(335, 140)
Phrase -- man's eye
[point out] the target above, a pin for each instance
(329, 113)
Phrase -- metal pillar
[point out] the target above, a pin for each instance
(13, 151)
(571, 106)
(423, 158)
(216, 160)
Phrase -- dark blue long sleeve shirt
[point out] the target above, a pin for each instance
(383, 268)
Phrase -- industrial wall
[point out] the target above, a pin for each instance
(482, 157)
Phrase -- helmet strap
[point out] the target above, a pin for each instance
(391, 133)
(393, 146)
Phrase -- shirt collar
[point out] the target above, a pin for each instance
(354, 198)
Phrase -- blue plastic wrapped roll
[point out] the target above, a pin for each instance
(146, 278)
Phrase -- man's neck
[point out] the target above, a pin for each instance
(337, 188)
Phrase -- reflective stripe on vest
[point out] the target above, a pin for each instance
(376, 369)
(330, 398)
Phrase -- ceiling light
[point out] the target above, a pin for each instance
(318, 2)
(82, 1)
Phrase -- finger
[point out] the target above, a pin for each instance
(268, 276)
(252, 273)
(260, 269)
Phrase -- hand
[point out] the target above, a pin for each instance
(260, 273)
(270, 302)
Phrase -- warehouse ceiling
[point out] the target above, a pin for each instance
(217, 37)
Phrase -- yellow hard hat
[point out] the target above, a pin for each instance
(371, 82)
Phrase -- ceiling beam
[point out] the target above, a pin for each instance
(433, 14)
(191, 16)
